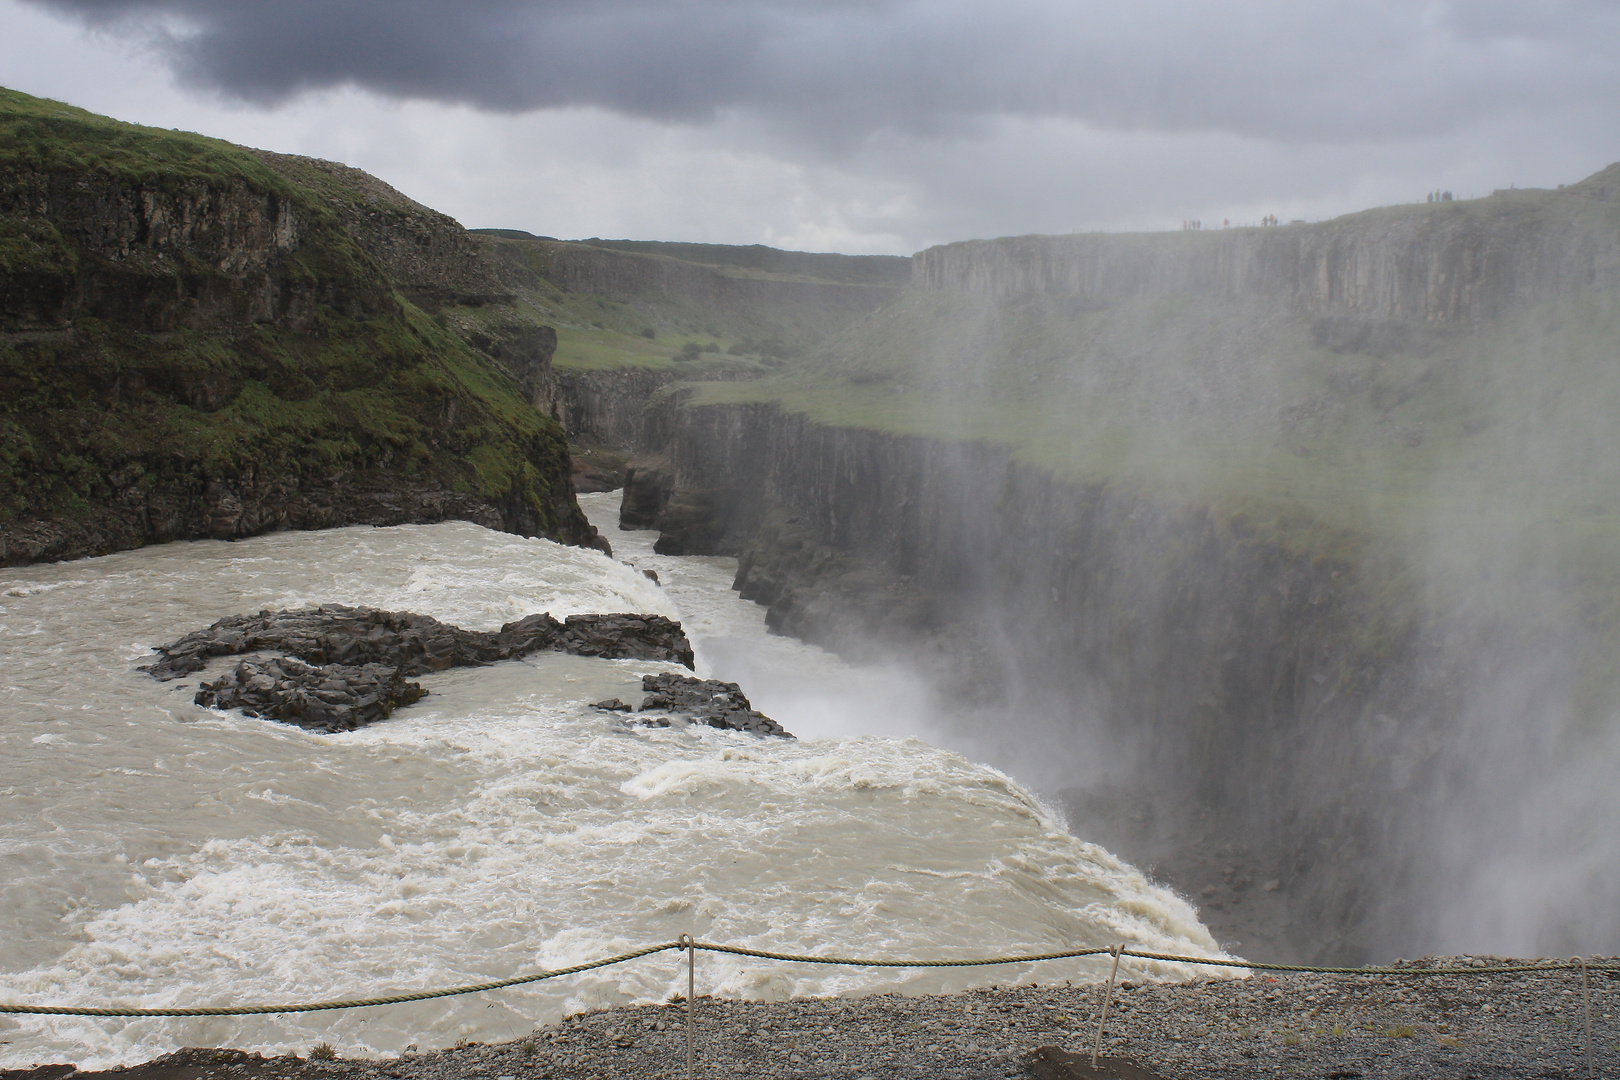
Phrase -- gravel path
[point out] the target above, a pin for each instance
(1486, 1025)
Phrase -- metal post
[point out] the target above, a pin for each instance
(1108, 997)
(1586, 1000)
(691, 992)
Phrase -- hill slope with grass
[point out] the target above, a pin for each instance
(199, 340)
(625, 321)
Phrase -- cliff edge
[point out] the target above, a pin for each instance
(202, 341)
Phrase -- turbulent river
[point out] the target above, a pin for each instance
(154, 853)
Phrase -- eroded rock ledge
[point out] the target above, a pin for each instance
(345, 667)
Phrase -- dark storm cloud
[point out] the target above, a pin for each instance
(1287, 70)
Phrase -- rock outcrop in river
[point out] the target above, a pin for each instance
(345, 667)
(703, 701)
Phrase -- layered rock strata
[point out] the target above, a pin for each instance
(1250, 687)
(1447, 262)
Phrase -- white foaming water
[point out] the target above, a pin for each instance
(155, 853)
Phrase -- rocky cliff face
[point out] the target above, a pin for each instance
(1446, 262)
(761, 299)
(1204, 701)
(616, 408)
(199, 341)
(160, 257)
(427, 256)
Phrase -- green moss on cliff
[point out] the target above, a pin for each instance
(115, 411)
(767, 262)
(335, 376)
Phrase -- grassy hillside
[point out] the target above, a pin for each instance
(667, 305)
(774, 262)
(175, 314)
(598, 332)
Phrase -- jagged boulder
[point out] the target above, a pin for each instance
(704, 701)
(332, 697)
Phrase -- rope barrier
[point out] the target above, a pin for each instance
(844, 961)
(691, 947)
(319, 1006)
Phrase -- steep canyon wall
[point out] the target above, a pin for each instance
(1182, 685)
(1339, 758)
(1444, 262)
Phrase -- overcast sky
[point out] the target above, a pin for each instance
(868, 126)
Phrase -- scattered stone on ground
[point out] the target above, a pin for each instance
(1435, 1027)
(351, 663)
(702, 701)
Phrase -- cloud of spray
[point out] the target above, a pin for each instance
(1334, 572)
(1518, 852)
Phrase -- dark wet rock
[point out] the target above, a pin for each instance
(418, 644)
(706, 701)
(647, 485)
(331, 697)
(344, 667)
(623, 637)
(612, 704)
(695, 521)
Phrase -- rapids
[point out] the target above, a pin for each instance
(153, 852)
